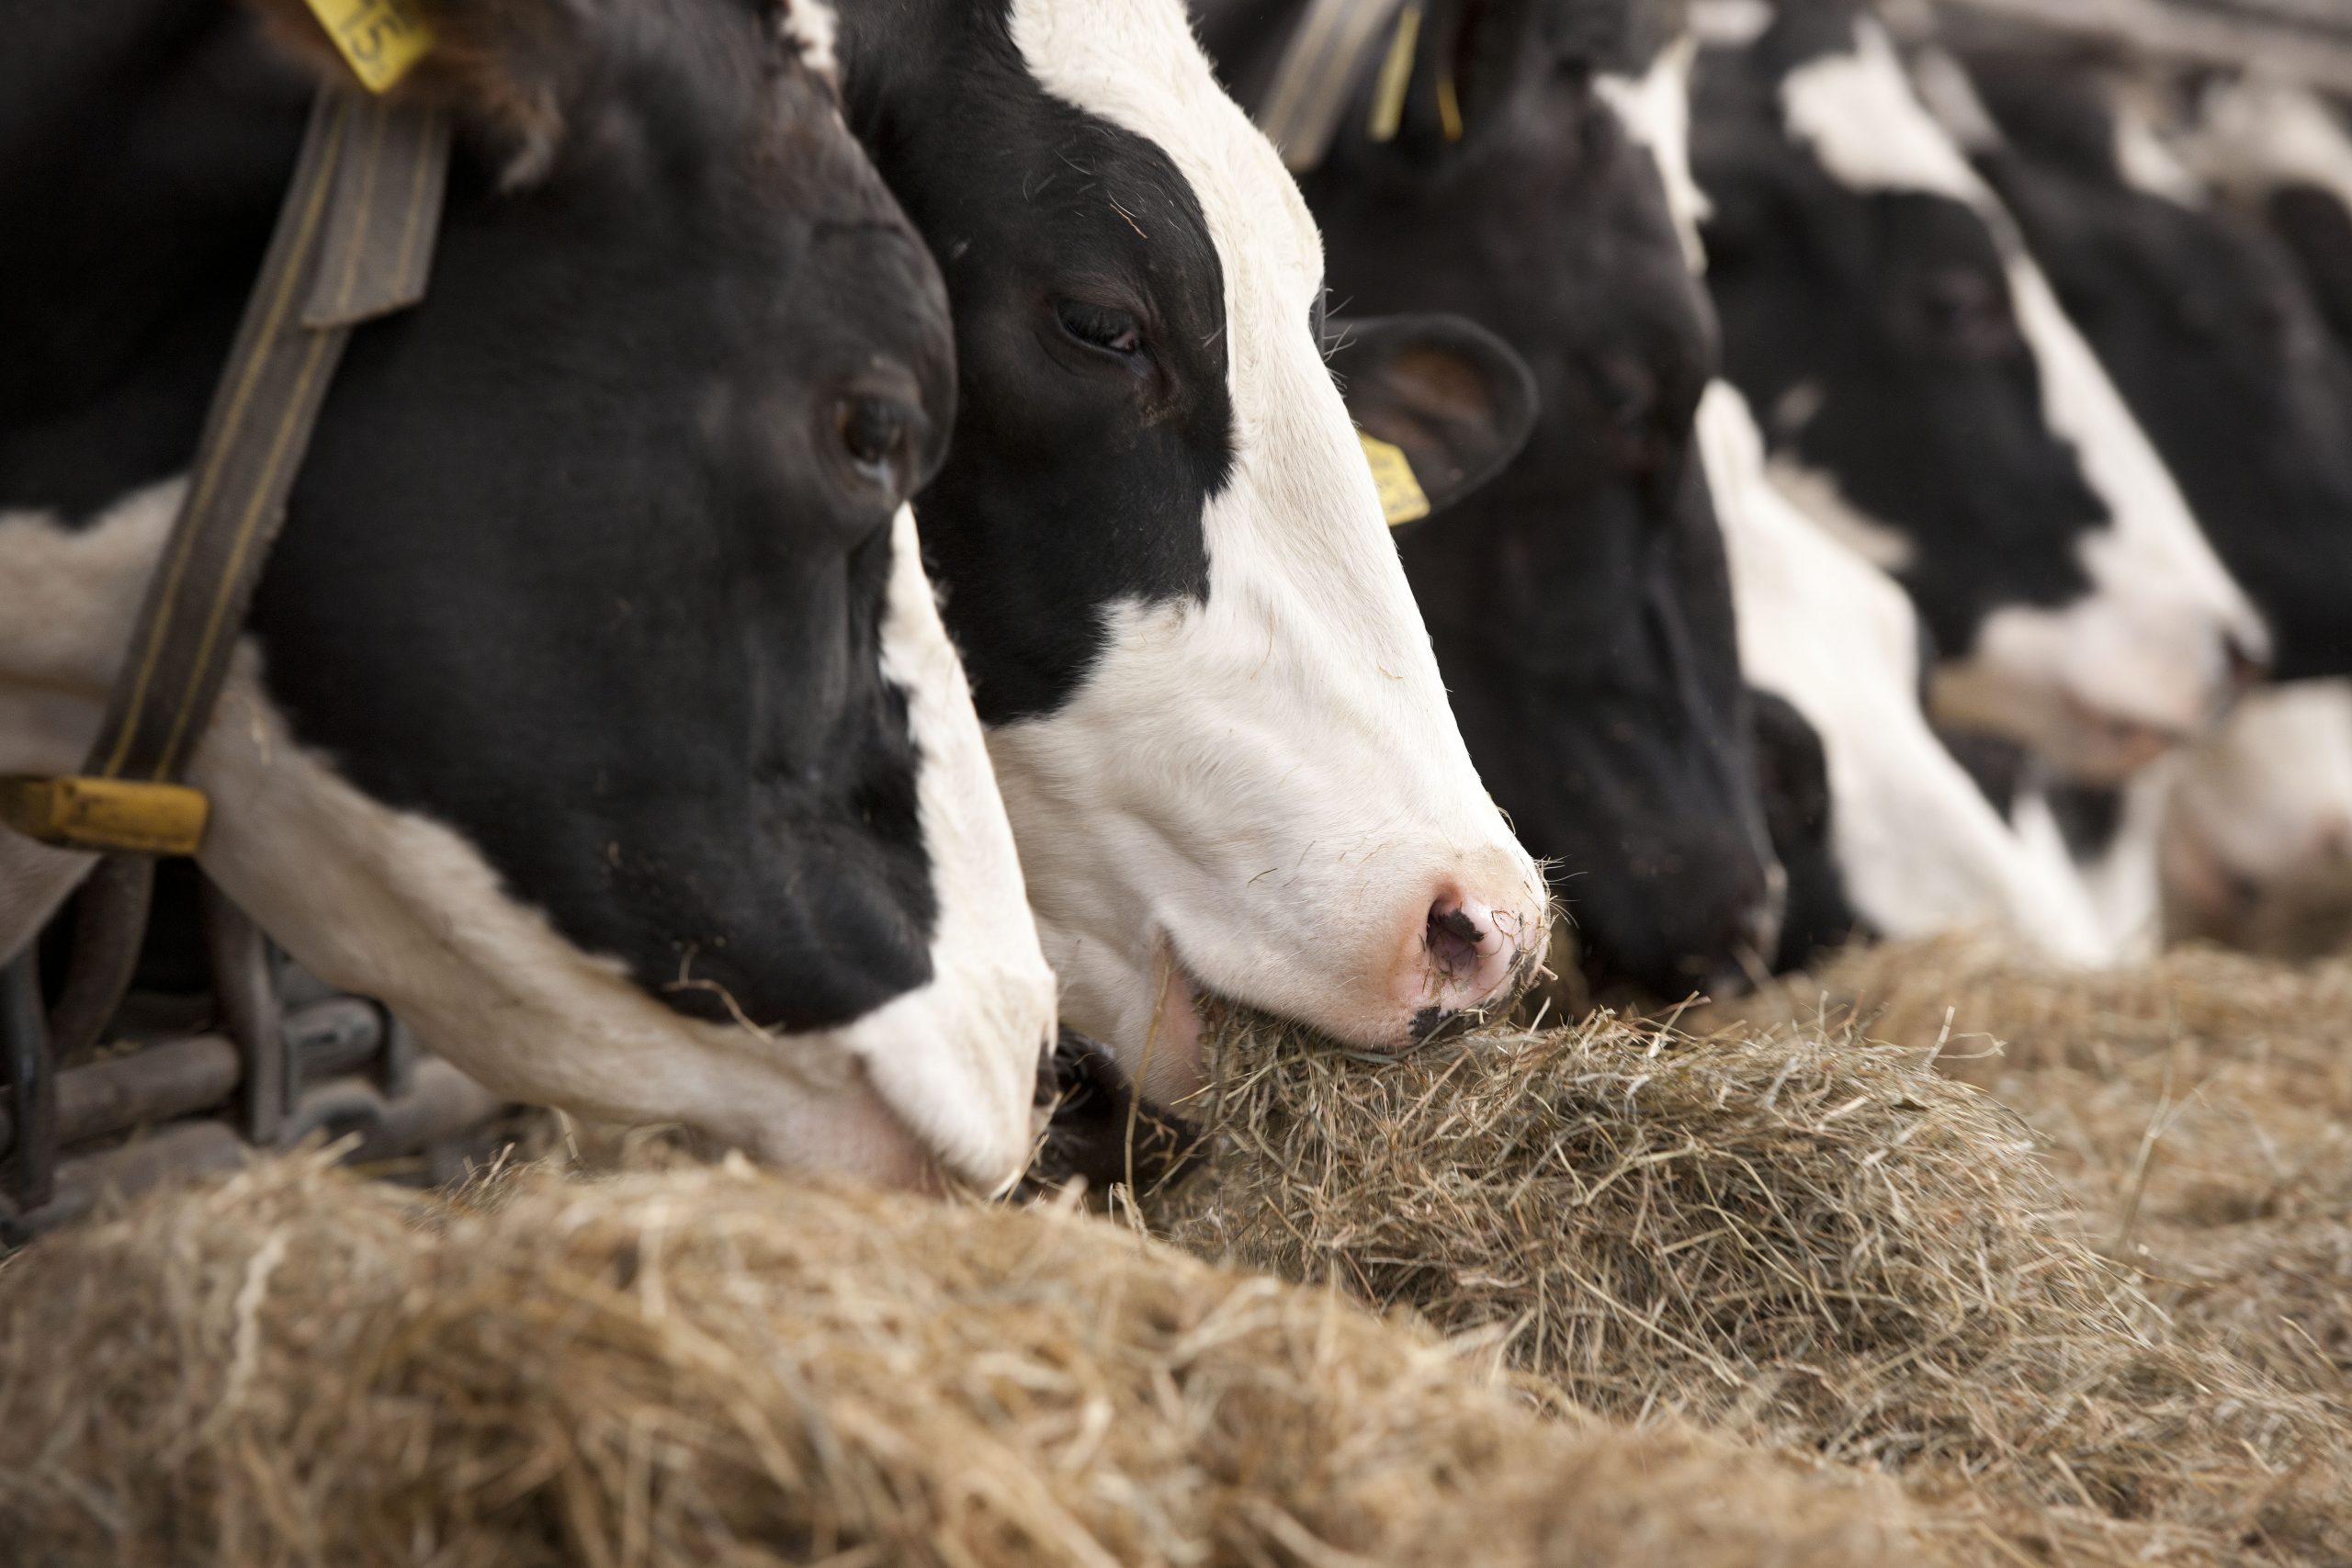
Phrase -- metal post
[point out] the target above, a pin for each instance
(109, 926)
(29, 1073)
(242, 979)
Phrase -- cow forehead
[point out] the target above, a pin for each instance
(1136, 64)
(2257, 134)
(1861, 118)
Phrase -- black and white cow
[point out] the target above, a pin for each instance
(595, 711)
(1578, 602)
(2199, 315)
(2254, 846)
(1919, 383)
(2285, 154)
(1879, 828)
(1215, 714)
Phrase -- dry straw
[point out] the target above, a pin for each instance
(700, 1366)
(2199, 1110)
(1807, 1242)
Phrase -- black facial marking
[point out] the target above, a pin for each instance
(1100, 1129)
(2316, 226)
(1580, 603)
(1095, 423)
(2212, 335)
(1874, 333)
(1793, 773)
(587, 560)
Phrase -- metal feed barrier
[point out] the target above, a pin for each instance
(108, 1088)
(2307, 41)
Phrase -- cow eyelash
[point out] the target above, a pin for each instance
(1105, 327)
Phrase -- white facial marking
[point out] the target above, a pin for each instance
(1946, 93)
(1918, 846)
(2149, 163)
(2120, 881)
(810, 27)
(2253, 136)
(398, 907)
(1273, 782)
(1816, 493)
(1860, 118)
(1655, 110)
(1730, 23)
(2144, 650)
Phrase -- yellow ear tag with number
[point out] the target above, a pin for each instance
(1402, 500)
(380, 39)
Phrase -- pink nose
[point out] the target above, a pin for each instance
(1470, 958)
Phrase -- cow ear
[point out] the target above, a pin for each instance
(498, 64)
(1448, 394)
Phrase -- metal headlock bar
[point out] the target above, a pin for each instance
(353, 240)
(2295, 40)
(1327, 55)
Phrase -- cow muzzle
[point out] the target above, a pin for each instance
(1471, 961)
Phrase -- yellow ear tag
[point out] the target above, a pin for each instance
(380, 39)
(1396, 76)
(1402, 500)
(1449, 108)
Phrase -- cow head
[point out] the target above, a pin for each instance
(2256, 847)
(595, 713)
(1215, 716)
(2284, 152)
(1920, 384)
(1876, 824)
(1578, 602)
(2199, 313)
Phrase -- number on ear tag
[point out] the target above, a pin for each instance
(380, 39)
(1402, 500)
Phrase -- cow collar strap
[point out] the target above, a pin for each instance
(1325, 57)
(353, 240)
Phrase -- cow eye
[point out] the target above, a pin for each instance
(1968, 312)
(874, 434)
(1105, 327)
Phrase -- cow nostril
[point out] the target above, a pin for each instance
(2248, 668)
(1456, 942)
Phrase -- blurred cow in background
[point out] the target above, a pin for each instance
(1580, 603)
(1919, 385)
(1879, 827)
(2201, 317)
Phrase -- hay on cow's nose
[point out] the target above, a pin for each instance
(1803, 1241)
(700, 1366)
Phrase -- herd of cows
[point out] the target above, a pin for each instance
(1857, 489)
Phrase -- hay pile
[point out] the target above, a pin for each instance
(1807, 1242)
(2199, 1110)
(708, 1365)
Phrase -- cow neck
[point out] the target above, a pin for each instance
(353, 240)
